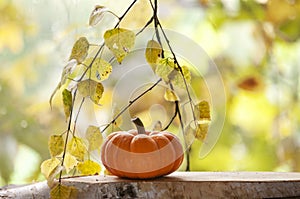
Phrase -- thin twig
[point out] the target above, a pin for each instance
(125, 13)
(67, 136)
(177, 109)
(187, 150)
(147, 24)
(180, 70)
(130, 103)
(76, 118)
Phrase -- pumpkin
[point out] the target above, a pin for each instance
(141, 154)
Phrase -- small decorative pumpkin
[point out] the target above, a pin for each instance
(140, 154)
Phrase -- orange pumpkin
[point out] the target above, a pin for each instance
(141, 154)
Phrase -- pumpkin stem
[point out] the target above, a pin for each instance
(139, 125)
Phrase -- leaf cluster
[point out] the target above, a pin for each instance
(83, 77)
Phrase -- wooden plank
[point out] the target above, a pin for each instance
(176, 185)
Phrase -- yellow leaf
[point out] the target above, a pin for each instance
(63, 192)
(202, 130)
(94, 137)
(178, 78)
(51, 178)
(106, 172)
(97, 15)
(92, 89)
(100, 69)
(153, 53)
(202, 111)
(56, 145)
(76, 147)
(164, 69)
(119, 41)
(89, 167)
(67, 102)
(170, 96)
(70, 162)
(80, 50)
(170, 72)
(48, 166)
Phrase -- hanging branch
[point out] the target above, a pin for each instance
(75, 92)
(177, 112)
(69, 101)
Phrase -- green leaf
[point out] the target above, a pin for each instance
(153, 53)
(67, 102)
(63, 192)
(171, 96)
(92, 89)
(94, 137)
(80, 50)
(89, 167)
(119, 41)
(48, 166)
(97, 15)
(100, 70)
(77, 148)
(70, 162)
(56, 145)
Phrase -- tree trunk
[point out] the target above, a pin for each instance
(176, 185)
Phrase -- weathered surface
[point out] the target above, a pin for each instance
(176, 185)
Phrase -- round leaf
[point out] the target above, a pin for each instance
(77, 148)
(48, 166)
(56, 145)
(70, 162)
(89, 167)
(92, 89)
(80, 50)
(94, 137)
(63, 192)
(119, 41)
(153, 53)
(100, 70)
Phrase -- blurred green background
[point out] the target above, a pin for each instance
(255, 45)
